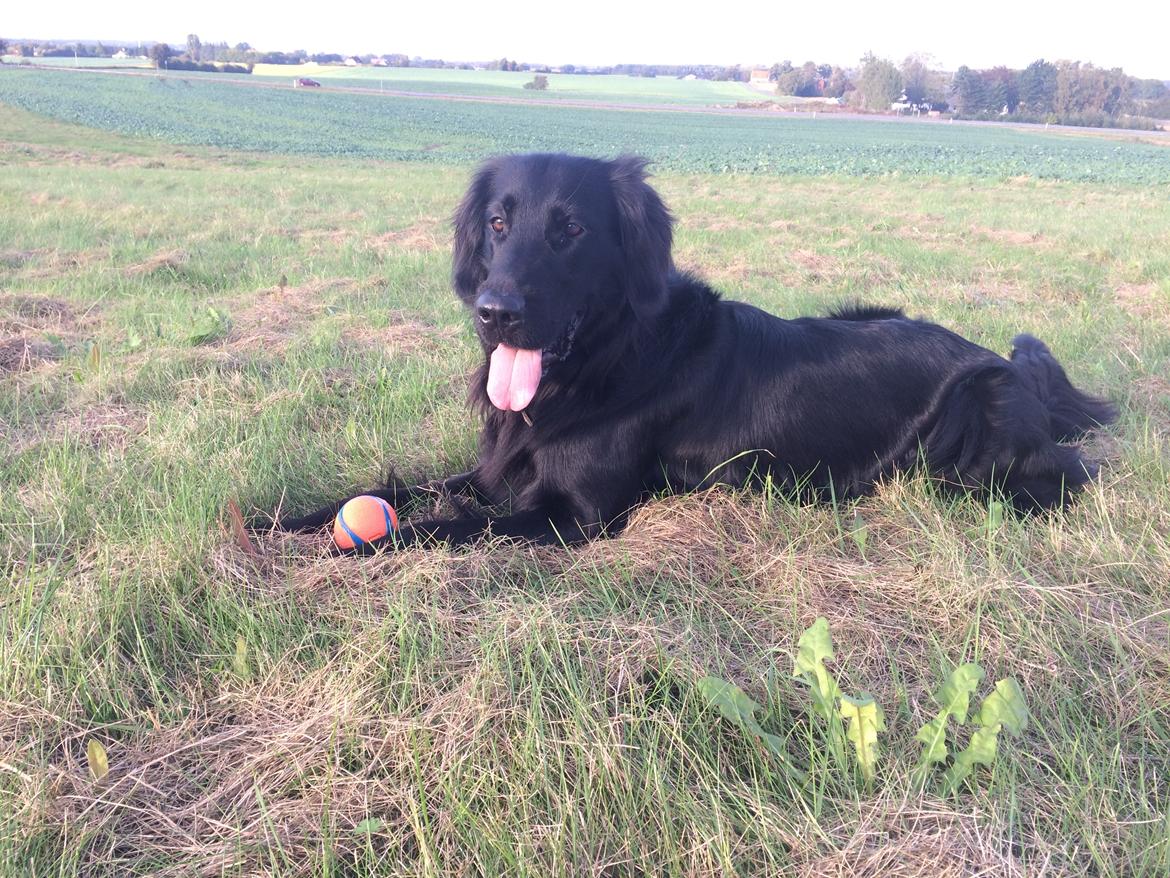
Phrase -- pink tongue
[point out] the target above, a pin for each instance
(512, 377)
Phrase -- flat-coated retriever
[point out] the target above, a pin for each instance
(608, 375)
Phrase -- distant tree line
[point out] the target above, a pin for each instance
(38, 49)
(1065, 92)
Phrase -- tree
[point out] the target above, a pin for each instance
(838, 84)
(1148, 89)
(1038, 87)
(970, 92)
(3, 46)
(1082, 89)
(1159, 109)
(539, 82)
(1113, 90)
(194, 47)
(879, 84)
(922, 85)
(1003, 89)
(915, 76)
(804, 81)
(160, 53)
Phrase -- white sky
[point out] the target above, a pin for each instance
(1133, 35)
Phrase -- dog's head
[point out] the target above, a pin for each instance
(548, 244)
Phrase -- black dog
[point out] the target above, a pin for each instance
(609, 376)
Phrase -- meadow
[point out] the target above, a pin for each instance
(211, 294)
(615, 89)
(17, 60)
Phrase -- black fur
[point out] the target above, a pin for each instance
(652, 382)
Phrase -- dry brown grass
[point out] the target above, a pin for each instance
(1008, 236)
(108, 426)
(290, 759)
(423, 236)
(893, 837)
(39, 314)
(22, 354)
(164, 261)
(405, 335)
(255, 767)
(1144, 301)
(275, 315)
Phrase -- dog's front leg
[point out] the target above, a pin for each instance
(544, 526)
(396, 493)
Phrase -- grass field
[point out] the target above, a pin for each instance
(500, 83)
(183, 325)
(77, 62)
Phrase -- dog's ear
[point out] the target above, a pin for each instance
(467, 267)
(644, 224)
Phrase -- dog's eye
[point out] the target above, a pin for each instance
(573, 230)
(497, 223)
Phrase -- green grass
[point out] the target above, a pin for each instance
(211, 111)
(76, 62)
(509, 710)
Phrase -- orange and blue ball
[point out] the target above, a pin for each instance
(362, 520)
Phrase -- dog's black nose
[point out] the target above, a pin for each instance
(500, 309)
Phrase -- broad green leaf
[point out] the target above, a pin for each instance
(772, 742)
(729, 699)
(736, 707)
(1005, 706)
(865, 719)
(240, 663)
(860, 532)
(95, 755)
(812, 650)
(954, 696)
(933, 736)
(814, 647)
(981, 750)
(215, 326)
(370, 825)
(994, 515)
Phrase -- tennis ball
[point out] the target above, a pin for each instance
(362, 520)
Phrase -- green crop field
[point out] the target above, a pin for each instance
(212, 292)
(204, 110)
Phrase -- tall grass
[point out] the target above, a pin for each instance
(507, 709)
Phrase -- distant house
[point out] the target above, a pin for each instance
(351, 61)
(121, 55)
(689, 77)
(760, 76)
(380, 62)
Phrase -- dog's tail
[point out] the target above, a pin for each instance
(1071, 412)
